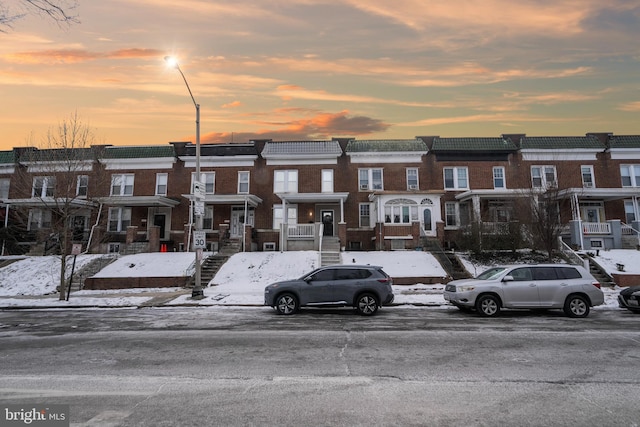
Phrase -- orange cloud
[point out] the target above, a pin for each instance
(233, 104)
(61, 56)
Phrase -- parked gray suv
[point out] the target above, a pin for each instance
(540, 286)
(364, 287)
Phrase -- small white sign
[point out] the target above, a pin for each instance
(198, 190)
(198, 207)
(199, 239)
(76, 249)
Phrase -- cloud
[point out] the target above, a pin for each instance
(320, 126)
(630, 106)
(61, 56)
(233, 104)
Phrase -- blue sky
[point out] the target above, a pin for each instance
(307, 69)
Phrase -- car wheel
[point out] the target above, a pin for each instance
(367, 305)
(488, 306)
(576, 306)
(286, 304)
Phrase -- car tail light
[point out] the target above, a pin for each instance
(384, 280)
(596, 284)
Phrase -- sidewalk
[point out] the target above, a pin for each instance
(175, 297)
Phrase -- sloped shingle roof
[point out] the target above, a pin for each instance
(274, 148)
(473, 144)
(385, 145)
(7, 157)
(561, 142)
(625, 141)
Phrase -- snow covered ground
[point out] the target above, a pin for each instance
(32, 281)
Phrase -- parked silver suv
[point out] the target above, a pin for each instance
(364, 287)
(540, 286)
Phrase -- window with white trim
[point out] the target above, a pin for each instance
(370, 179)
(400, 211)
(630, 175)
(43, 186)
(327, 181)
(82, 186)
(119, 219)
(208, 179)
(456, 178)
(412, 179)
(243, 182)
(4, 188)
(207, 220)
(587, 176)
(278, 215)
(122, 185)
(544, 177)
(39, 219)
(498, 178)
(452, 214)
(285, 181)
(365, 214)
(161, 184)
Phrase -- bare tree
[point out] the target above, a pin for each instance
(60, 11)
(57, 180)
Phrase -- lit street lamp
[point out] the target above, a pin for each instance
(197, 291)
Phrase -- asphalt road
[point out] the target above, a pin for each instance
(249, 366)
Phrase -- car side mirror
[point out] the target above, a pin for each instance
(508, 278)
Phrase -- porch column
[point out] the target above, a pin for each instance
(341, 211)
(476, 208)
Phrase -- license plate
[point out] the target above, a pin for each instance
(633, 302)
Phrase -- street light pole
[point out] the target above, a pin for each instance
(197, 292)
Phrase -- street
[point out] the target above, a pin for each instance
(248, 366)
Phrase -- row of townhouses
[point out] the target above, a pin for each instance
(293, 195)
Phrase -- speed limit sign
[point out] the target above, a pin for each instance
(199, 239)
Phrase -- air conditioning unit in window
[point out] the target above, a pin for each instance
(413, 187)
(364, 187)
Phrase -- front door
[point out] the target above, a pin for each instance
(160, 220)
(427, 222)
(327, 222)
(237, 220)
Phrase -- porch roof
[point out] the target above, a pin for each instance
(507, 193)
(151, 201)
(229, 199)
(313, 197)
(36, 202)
(600, 193)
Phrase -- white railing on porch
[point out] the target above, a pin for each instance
(300, 231)
(596, 228)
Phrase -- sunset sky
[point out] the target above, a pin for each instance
(316, 69)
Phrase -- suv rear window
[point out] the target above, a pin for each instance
(545, 273)
(352, 273)
(568, 273)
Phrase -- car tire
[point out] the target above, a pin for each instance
(576, 306)
(488, 306)
(367, 304)
(287, 304)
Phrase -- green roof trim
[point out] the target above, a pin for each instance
(124, 152)
(473, 144)
(386, 145)
(561, 142)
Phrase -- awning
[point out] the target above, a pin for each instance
(229, 199)
(150, 201)
(36, 202)
(313, 197)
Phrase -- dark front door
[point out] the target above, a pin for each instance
(327, 221)
(160, 221)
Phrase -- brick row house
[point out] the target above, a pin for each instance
(302, 195)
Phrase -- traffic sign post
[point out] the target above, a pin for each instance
(199, 239)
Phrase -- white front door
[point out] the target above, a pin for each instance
(237, 220)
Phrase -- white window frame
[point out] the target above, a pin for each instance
(162, 181)
(46, 186)
(327, 181)
(367, 181)
(5, 184)
(39, 219)
(364, 218)
(285, 181)
(278, 215)
(123, 183)
(207, 219)
(458, 182)
(121, 216)
(244, 179)
(633, 175)
(540, 176)
(499, 175)
(587, 171)
(412, 179)
(82, 186)
(452, 209)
